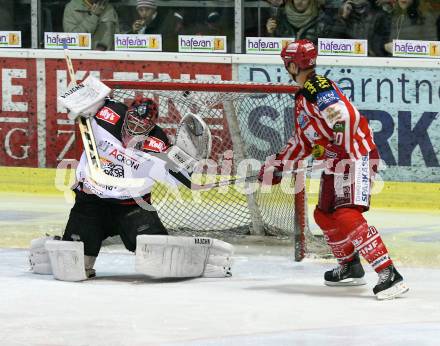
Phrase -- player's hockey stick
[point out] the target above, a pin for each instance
(234, 181)
(88, 139)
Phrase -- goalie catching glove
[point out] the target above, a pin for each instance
(163, 256)
(193, 143)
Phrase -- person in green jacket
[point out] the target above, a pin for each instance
(296, 19)
(97, 17)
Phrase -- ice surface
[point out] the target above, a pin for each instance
(270, 300)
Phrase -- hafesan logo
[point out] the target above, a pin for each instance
(266, 45)
(57, 40)
(150, 42)
(10, 39)
(346, 47)
(202, 44)
(416, 48)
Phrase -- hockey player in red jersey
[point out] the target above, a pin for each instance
(330, 128)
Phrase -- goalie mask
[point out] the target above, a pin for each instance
(139, 120)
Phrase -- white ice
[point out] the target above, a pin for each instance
(269, 300)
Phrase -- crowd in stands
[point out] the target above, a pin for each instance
(100, 18)
(378, 21)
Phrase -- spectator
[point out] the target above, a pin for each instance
(297, 18)
(410, 22)
(97, 17)
(214, 22)
(153, 21)
(174, 24)
(148, 21)
(358, 19)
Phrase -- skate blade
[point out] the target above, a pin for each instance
(393, 292)
(347, 282)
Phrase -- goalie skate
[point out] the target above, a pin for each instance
(347, 274)
(390, 284)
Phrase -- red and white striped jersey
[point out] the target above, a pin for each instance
(323, 113)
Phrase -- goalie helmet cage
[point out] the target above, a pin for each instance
(247, 121)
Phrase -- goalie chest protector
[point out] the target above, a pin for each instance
(117, 161)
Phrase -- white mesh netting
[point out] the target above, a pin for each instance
(244, 126)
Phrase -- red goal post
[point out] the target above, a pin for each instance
(204, 85)
(248, 121)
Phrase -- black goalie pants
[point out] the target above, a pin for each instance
(93, 219)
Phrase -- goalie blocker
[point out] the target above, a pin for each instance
(157, 256)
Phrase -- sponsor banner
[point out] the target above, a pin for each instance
(418, 49)
(202, 44)
(147, 43)
(10, 39)
(56, 40)
(18, 113)
(345, 47)
(62, 136)
(401, 105)
(266, 45)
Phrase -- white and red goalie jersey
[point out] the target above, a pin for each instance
(121, 162)
(323, 114)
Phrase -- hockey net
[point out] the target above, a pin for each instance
(248, 122)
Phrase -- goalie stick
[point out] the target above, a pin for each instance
(89, 142)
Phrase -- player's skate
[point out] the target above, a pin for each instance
(347, 274)
(390, 284)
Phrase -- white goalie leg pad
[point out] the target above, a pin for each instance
(39, 257)
(169, 257)
(163, 256)
(67, 259)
